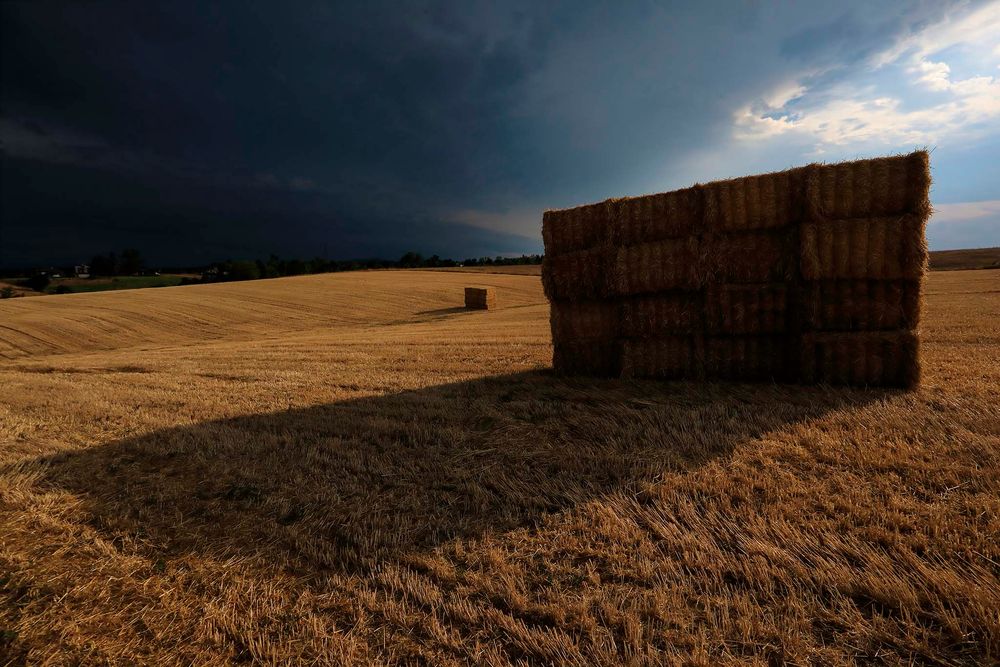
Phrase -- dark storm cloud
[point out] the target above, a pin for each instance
(240, 128)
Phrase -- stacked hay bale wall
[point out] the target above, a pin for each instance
(480, 298)
(812, 274)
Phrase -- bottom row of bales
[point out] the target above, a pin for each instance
(860, 358)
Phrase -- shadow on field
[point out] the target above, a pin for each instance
(345, 486)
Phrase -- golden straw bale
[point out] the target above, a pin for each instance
(887, 248)
(869, 188)
(755, 202)
(579, 228)
(576, 276)
(481, 298)
(747, 357)
(880, 358)
(600, 358)
(649, 316)
(656, 217)
(746, 309)
(861, 305)
(745, 257)
(585, 320)
(670, 357)
(655, 267)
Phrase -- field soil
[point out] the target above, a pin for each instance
(352, 469)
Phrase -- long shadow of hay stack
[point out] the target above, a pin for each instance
(812, 275)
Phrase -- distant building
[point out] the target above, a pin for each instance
(81, 270)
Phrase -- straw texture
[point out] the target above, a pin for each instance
(865, 358)
(663, 314)
(746, 309)
(585, 320)
(672, 358)
(656, 217)
(812, 274)
(747, 358)
(598, 358)
(755, 202)
(576, 276)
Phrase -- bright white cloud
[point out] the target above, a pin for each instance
(853, 114)
(935, 76)
(979, 26)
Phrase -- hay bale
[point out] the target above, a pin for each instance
(585, 320)
(576, 276)
(652, 316)
(579, 228)
(746, 309)
(668, 358)
(888, 248)
(480, 298)
(860, 305)
(755, 202)
(889, 358)
(746, 257)
(870, 188)
(748, 358)
(596, 358)
(657, 217)
(655, 267)
(835, 251)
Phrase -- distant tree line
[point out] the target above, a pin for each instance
(275, 267)
(130, 262)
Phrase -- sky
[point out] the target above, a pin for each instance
(201, 131)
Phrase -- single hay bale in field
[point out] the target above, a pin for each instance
(655, 267)
(656, 315)
(668, 357)
(755, 202)
(574, 229)
(888, 248)
(870, 188)
(657, 217)
(889, 358)
(748, 358)
(597, 358)
(861, 305)
(584, 320)
(480, 298)
(746, 309)
(576, 276)
(746, 257)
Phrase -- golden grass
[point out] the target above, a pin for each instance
(332, 469)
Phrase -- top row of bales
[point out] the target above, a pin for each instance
(862, 189)
(752, 229)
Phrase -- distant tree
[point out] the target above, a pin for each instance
(7, 292)
(243, 270)
(37, 282)
(294, 267)
(130, 262)
(103, 265)
(411, 260)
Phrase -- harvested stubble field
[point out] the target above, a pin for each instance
(350, 468)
